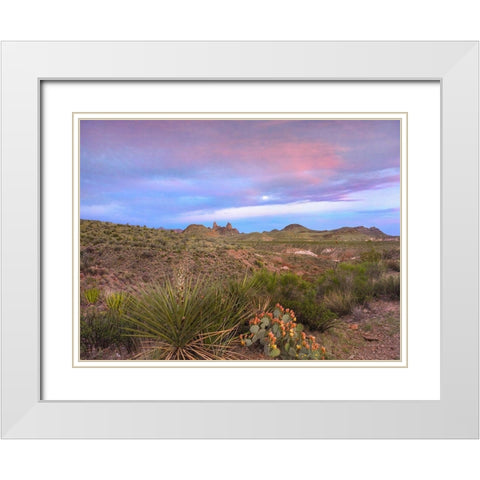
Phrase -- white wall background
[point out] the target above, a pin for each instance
(238, 20)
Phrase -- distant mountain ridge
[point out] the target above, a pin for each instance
(369, 233)
(293, 228)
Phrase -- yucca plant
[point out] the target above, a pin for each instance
(92, 295)
(185, 321)
(116, 301)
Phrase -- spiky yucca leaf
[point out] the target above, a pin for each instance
(187, 321)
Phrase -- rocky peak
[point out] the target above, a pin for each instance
(227, 230)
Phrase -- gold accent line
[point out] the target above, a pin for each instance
(237, 366)
(239, 113)
(225, 119)
(73, 237)
(401, 272)
(78, 241)
(406, 239)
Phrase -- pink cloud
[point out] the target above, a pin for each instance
(268, 156)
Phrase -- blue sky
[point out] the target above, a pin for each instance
(256, 174)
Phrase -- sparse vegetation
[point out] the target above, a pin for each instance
(164, 294)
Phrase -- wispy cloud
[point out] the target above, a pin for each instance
(165, 172)
(363, 201)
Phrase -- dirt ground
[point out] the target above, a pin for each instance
(369, 333)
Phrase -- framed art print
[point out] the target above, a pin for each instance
(187, 239)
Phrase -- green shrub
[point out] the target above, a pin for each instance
(339, 302)
(102, 330)
(371, 255)
(301, 295)
(266, 281)
(393, 253)
(353, 284)
(86, 258)
(388, 286)
(393, 265)
(350, 283)
(374, 270)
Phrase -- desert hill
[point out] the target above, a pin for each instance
(295, 227)
(195, 229)
(117, 255)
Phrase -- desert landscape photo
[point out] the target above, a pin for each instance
(240, 239)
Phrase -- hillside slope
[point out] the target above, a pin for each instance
(118, 256)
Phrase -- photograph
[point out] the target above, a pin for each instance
(248, 238)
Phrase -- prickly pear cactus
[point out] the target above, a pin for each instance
(282, 337)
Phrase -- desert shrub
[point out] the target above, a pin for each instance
(300, 294)
(393, 265)
(391, 254)
(282, 337)
(374, 270)
(388, 286)
(101, 330)
(188, 320)
(339, 302)
(86, 258)
(371, 255)
(266, 280)
(352, 282)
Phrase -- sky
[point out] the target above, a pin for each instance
(256, 174)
